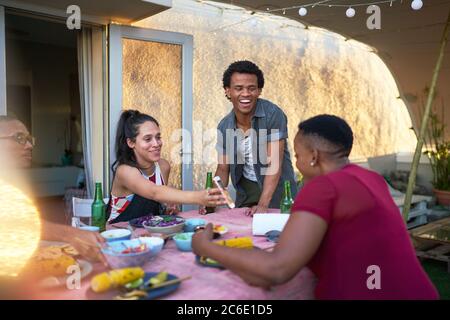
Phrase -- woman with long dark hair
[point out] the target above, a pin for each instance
(344, 226)
(140, 174)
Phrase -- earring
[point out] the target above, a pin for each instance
(312, 164)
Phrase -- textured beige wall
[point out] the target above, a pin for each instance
(308, 72)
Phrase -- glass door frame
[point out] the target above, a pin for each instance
(116, 34)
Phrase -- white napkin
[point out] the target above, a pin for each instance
(264, 222)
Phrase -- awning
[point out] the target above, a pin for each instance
(120, 11)
(408, 41)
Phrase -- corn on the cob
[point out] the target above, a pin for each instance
(115, 278)
(243, 243)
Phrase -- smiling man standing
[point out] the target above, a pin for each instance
(251, 142)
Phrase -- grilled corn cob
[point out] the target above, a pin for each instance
(243, 243)
(115, 278)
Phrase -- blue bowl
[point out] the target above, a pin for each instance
(191, 224)
(116, 235)
(183, 241)
(89, 228)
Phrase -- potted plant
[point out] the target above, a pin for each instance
(438, 152)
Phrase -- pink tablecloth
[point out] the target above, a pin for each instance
(208, 283)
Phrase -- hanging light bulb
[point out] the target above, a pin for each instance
(302, 11)
(350, 12)
(417, 4)
(20, 232)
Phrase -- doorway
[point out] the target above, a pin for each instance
(42, 91)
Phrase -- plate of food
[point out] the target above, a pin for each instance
(134, 284)
(220, 229)
(208, 262)
(165, 224)
(53, 263)
(137, 222)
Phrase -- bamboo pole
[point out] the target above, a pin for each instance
(424, 124)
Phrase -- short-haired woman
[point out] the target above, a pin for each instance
(344, 226)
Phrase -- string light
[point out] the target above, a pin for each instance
(302, 11)
(350, 12)
(416, 4)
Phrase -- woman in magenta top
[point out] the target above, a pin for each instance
(344, 226)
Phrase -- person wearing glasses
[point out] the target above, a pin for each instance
(15, 138)
(16, 150)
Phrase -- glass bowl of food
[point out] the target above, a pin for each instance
(132, 253)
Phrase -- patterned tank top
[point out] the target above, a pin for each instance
(119, 204)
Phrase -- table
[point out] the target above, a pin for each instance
(207, 283)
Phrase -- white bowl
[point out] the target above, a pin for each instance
(89, 228)
(165, 230)
(116, 234)
(156, 243)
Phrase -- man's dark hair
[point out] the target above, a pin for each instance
(331, 128)
(243, 66)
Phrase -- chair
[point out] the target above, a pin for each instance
(81, 208)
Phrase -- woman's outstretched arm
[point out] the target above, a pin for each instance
(297, 244)
(131, 179)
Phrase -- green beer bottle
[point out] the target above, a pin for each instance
(209, 185)
(286, 201)
(98, 210)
